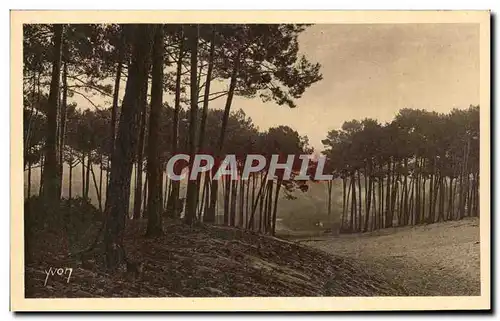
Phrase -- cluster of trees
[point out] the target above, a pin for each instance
(422, 167)
(159, 80)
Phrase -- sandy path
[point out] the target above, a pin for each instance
(437, 259)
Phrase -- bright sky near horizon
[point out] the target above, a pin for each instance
(374, 70)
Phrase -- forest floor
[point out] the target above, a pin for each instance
(201, 261)
(436, 259)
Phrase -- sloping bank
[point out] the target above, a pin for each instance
(207, 261)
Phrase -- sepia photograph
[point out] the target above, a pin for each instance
(265, 161)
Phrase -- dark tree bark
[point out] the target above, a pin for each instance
(70, 180)
(329, 186)
(126, 144)
(225, 117)
(172, 202)
(140, 148)
(275, 210)
(234, 197)
(51, 181)
(62, 134)
(192, 187)
(87, 176)
(154, 169)
(227, 197)
(114, 108)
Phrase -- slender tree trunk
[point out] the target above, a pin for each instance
(368, 194)
(353, 204)
(234, 197)
(40, 185)
(201, 138)
(241, 203)
(388, 201)
(374, 212)
(329, 189)
(96, 186)
(441, 198)
(227, 196)
(87, 176)
(114, 108)
(275, 211)
(225, 117)
(417, 192)
(51, 181)
(411, 219)
(100, 184)
(247, 204)
(192, 188)
(126, 143)
(342, 220)
(258, 199)
(360, 202)
(70, 181)
(382, 198)
(140, 150)
(82, 162)
(63, 123)
(175, 185)
(145, 197)
(204, 194)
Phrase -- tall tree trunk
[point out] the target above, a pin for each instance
(227, 196)
(388, 201)
(96, 186)
(261, 208)
(201, 138)
(126, 144)
(145, 197)
(114, 108)
(329, 186)
(63, 123)
(247, 204)
(351, 220)
(258, 199)
(353, 203)
(100, 184)
(234, 197)
(87, 175)
(140, 149)
(450, 200)
(241, 203)
(374, 212)
(192, 186)
(40, 185)
(417, 192)
(83, 174)
(441, 199)
(360, 202)
(368, 196)
(225, 117)
(204, 195)
(70, 191)
(405, 192)
(275, 210)
(51, 181)
(342, 219)
(172, 202)
(382, 198)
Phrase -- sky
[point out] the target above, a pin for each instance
(373, 71)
